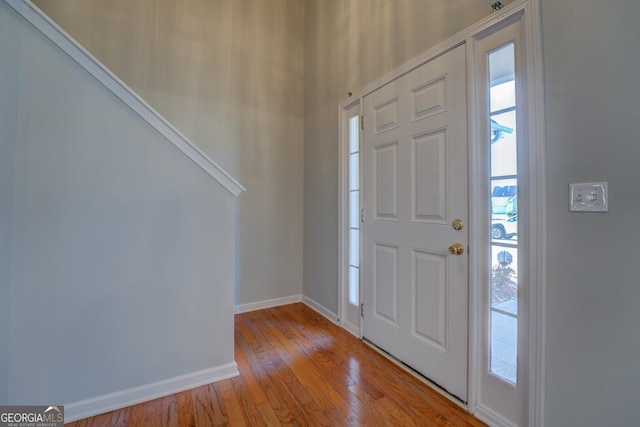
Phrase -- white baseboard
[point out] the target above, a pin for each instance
(121, 399)
(259, 305)
(491, 417)
(351, 328)
(321, 309)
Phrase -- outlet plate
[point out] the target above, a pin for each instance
(588, 197)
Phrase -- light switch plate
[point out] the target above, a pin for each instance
(588, 197)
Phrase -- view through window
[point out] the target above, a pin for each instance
(354, 211)
(504, 215)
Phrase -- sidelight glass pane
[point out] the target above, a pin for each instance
(354, 209)
(503, 95)
(504, 278)
(504, 155)
(504, 348)
(354, 142)
(354, 289)
(503, 190)
(354, 247)
(354, 172)
(504, 193)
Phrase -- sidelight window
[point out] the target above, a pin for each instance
(504, 215)
(354, 211)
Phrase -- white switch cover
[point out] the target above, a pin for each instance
(588, 197)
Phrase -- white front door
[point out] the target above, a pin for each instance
(415, 196)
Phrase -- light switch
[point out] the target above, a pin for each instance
(588, 197)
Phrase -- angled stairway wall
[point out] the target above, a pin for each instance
(117, 249)
(230, 75)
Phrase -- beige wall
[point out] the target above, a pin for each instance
(350, 44)
(229, 75)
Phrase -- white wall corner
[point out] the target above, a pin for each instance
(121, 399)
(87, 61)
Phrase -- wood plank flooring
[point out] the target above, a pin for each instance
(298, 369)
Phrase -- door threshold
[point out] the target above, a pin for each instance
(418, 375)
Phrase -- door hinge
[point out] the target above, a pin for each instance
(362, 215)
(362, 122)
(361, 309)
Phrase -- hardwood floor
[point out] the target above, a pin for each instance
(297, 368)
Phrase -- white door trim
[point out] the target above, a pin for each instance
(530, 12)
(537, 211)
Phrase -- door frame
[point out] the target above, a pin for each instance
(529, 12)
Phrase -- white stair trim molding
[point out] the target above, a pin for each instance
(87, 61)
(121, 399)
(269, 303)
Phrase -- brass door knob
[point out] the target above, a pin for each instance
(456, 249)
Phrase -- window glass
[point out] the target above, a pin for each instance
(354, 210)
(503, 188)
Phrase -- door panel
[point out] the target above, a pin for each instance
(385, 116)
(385, 179)
(429, 178)
(428, 99)
(415, 185)
(385, 283)
(430, 299)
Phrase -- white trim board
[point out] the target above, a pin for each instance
(492, 418)
(87, 61)
(320, 309)
(260, 305)
(276, 302)
(125, 398)
(538, 212)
